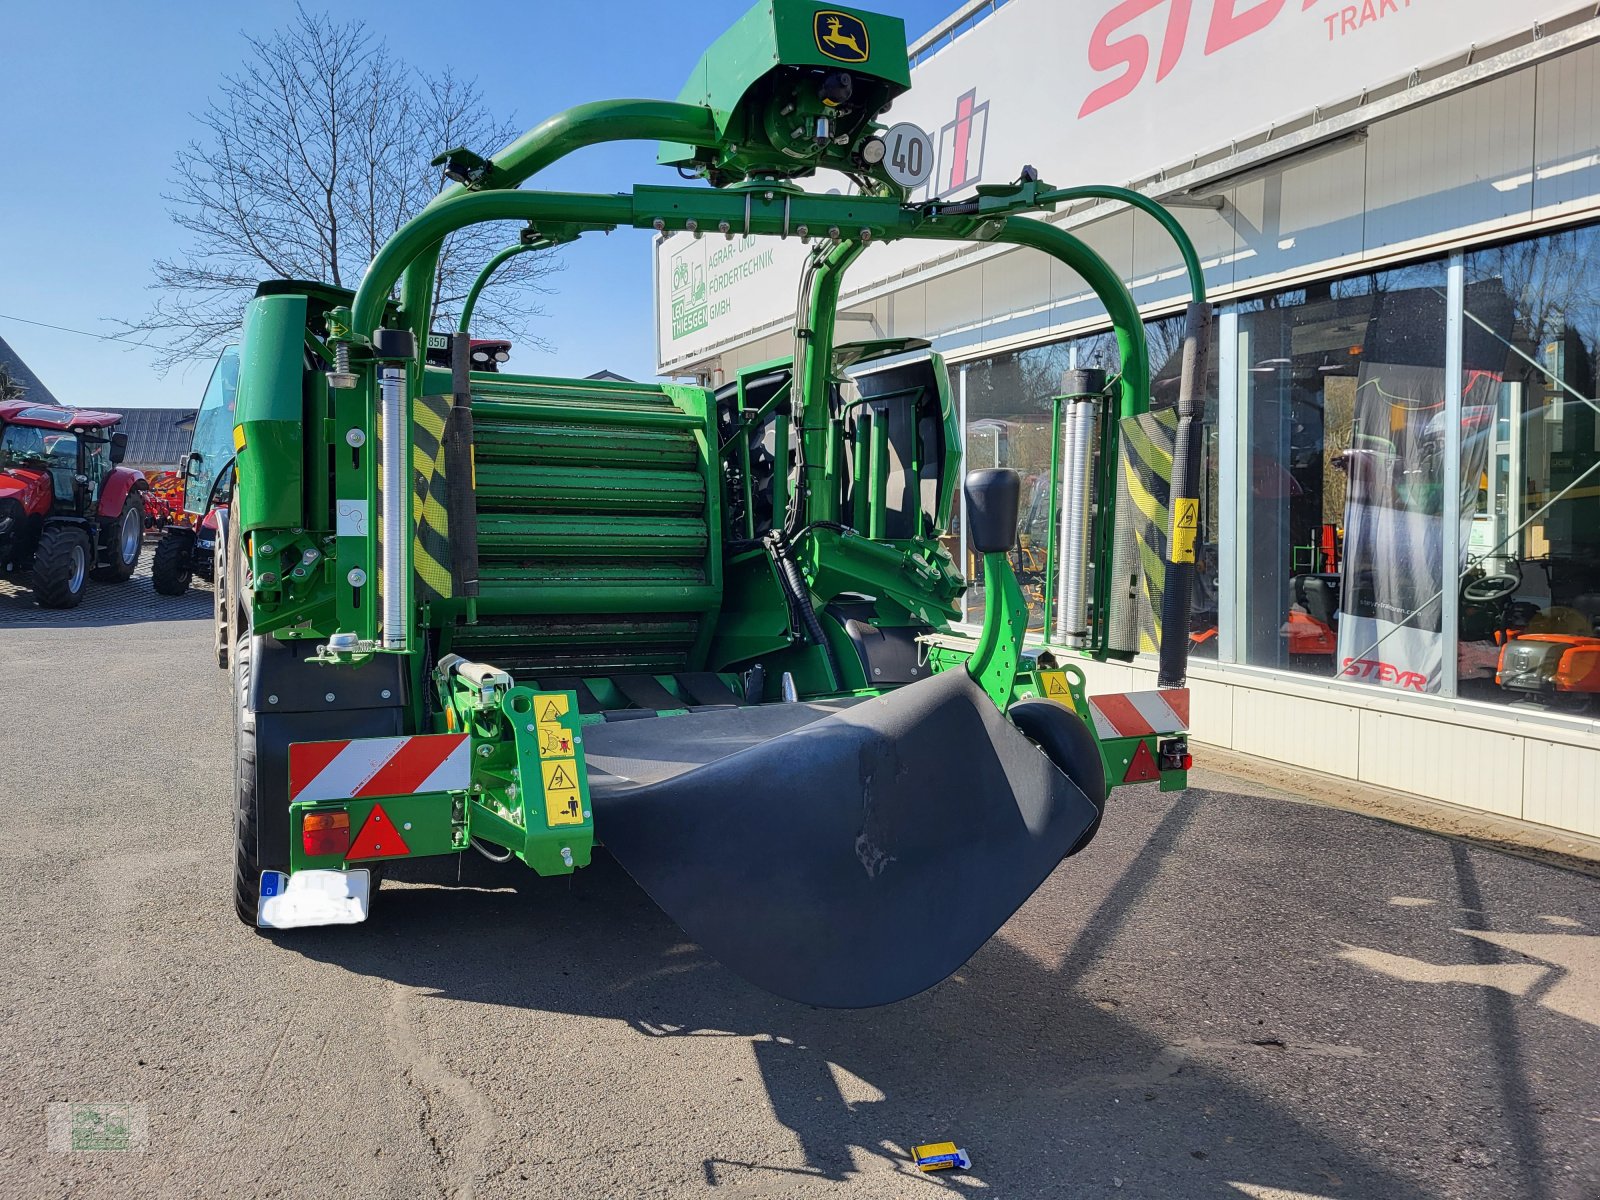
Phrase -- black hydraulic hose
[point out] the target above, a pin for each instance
(1173, 660)
(794, 586)
(461, 501)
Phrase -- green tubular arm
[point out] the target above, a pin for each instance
(1094, 191)
(588, 125)
(993, 665)
(418, 239)
(548, 142)
(813, 369)
(421, 236)
(489, 268)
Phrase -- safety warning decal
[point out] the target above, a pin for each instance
(561, 770)
(1185, 527)
(562, 804)
(555, 741)
(1056, 688)
(559, 776)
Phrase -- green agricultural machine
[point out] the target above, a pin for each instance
(711, 631)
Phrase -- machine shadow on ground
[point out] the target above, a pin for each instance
(1008, 1055)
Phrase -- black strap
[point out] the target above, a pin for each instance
(571, 683)
(707, 688)
(644, 691)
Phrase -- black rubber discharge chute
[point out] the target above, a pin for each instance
(838, 853)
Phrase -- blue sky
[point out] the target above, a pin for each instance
(95, 99)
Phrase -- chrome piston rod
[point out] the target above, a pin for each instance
(392, 472)
(1077, 457)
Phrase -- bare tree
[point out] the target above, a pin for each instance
(11, 388)
(309, 159)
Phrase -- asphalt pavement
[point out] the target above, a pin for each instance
(1225, 995)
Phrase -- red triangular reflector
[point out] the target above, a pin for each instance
(1141, 770)
(378, 838)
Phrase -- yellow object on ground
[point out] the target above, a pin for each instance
(939, 1156)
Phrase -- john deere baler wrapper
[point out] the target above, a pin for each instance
(709, 631)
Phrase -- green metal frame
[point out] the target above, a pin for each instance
(309, 582)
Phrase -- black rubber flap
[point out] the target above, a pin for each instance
(860, 859)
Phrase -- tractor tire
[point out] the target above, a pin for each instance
(122, 542)
(61, 565)
(235, 584)
(1070, 744)
(221, 635)
(247, 821)
(172, 565)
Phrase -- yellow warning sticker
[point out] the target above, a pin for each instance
(1185, 528)
(555, 741)
(563, 808)
(559, 776)
(1057, 688)
(550, 708)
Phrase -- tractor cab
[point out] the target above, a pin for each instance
(74, 450)
(205, 473)
(204, 468)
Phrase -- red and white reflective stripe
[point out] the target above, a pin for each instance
(392, 766)
(1140, 714)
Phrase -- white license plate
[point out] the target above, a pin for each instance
(312, 898)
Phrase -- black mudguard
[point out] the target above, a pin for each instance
(859, 859)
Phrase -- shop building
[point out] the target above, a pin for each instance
(1397, 204)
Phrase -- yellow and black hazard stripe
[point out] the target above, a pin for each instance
(431, 550)
(1146, 487)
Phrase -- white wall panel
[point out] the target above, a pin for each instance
(1461, 765)
(1210, 711)
(1436, 168)
(954, 300)
(1562, 786)
(1291, 729)
(862, 321)
(908, 312)
(1307, 213)
(1566, 162)
(1015, 282)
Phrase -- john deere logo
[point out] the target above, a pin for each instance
(841, 36)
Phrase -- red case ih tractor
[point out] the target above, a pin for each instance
(68, 511)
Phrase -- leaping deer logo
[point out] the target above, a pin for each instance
(845, 38)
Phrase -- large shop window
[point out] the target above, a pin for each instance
(1343, 513)
(1009, 415)
(1529, 593)
(1008, 425)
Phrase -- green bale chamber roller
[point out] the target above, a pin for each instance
(709, 630)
